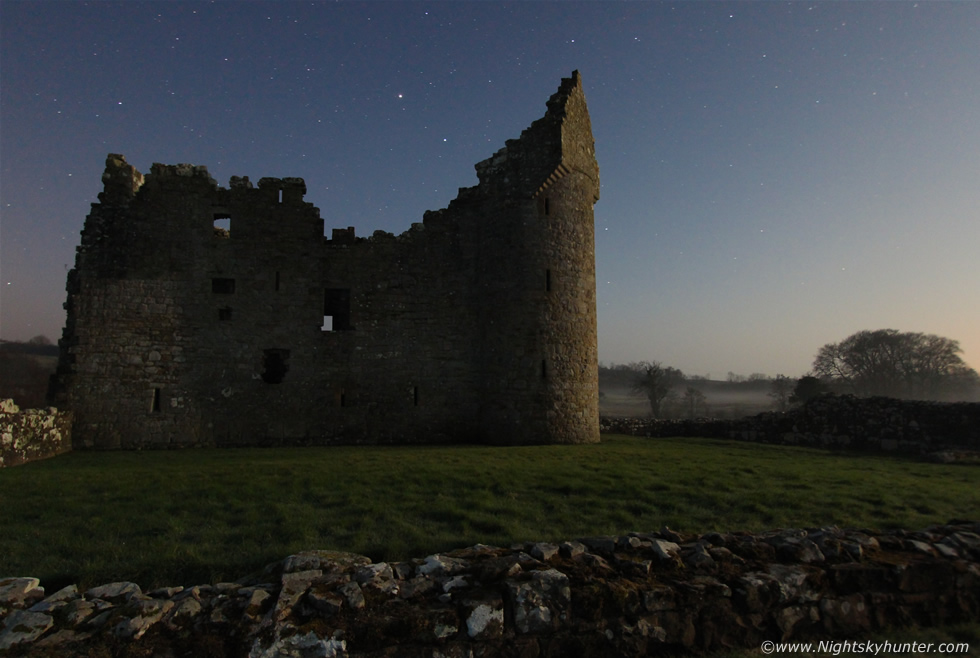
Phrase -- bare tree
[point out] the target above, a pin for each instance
(655, 381)
(695, 403)
(780, 390)
(670, 406)
(890, 363)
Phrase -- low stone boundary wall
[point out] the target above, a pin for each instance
(633, 595)
(32, 433)
(831, 421)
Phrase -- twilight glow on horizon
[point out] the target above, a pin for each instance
(775, 175)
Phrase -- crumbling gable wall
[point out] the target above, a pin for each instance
(204, 315)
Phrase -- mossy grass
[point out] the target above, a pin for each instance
(196, 516)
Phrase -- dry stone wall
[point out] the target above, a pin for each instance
(32, 434)
(633, 595)
(940, 430)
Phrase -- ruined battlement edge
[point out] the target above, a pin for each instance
(205, 315)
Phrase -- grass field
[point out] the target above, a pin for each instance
(196, 516)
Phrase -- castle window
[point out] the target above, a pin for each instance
(277, 281)
(222, 286)
(547, 206)
(222, 225)
(224, 314)
(544, 368)
(274, 365)
(336, 309)
(155, 401)
(415, 396)
(547, 280)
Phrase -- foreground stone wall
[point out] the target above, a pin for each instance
(32, 433)
(906, 426)
(639, 594)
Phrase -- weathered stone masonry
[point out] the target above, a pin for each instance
(31, 434)
(642, 594)
(203, 315)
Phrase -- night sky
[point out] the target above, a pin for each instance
(775, 176)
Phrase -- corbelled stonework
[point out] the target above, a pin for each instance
(204, 315)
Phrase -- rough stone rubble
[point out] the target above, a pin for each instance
(636, 594)
(31, 434)
(943, 431)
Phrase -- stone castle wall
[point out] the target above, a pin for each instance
(32, 434)
(844, 422)
(203, 315)
(634, 595)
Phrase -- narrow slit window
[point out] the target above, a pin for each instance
(415, 396)
(547, 280)
(547, 206)
(544, 368)
(342, 398)
(277, 281)
(280, 195)
(224, 314)
(155, 401)
(222, 286)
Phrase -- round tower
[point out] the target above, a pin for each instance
(540, 360)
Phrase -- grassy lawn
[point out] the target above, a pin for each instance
(195, 516)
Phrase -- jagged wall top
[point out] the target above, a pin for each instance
(559, 142)
(122, 180)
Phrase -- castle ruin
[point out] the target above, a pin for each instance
(204, 315)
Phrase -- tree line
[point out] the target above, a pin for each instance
(25, 370)
(885, 363)
(894, 364)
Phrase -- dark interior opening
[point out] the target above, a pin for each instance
(274, 365)
(222, 225)
(222, 286)
(336, 307)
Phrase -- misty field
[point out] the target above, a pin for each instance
(722, 400)
(195, 516)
